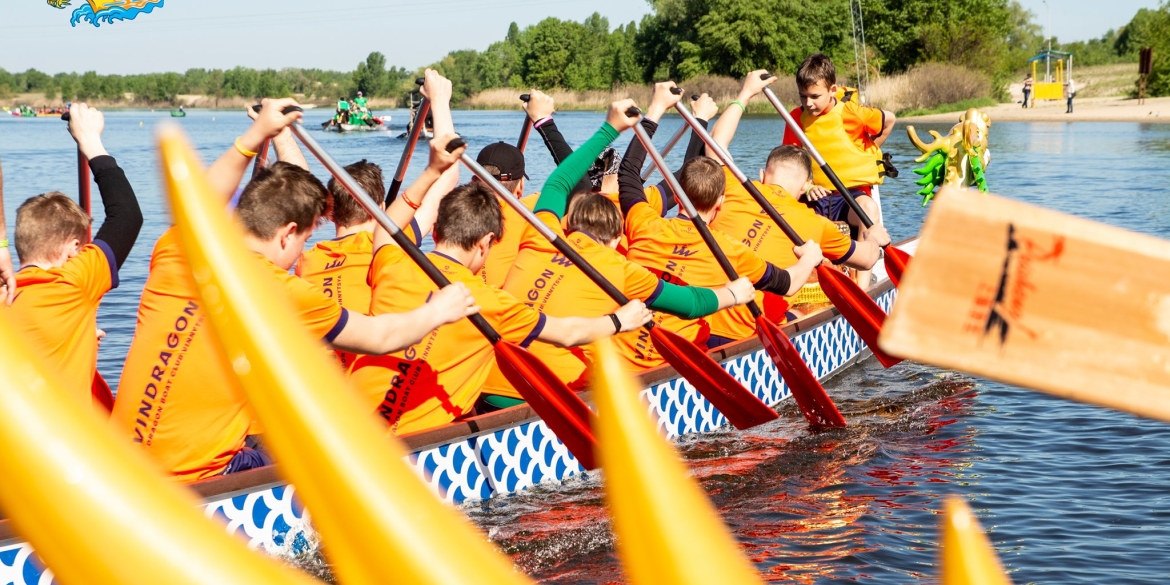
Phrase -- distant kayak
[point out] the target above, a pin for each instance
(380, 124)
(178, 114)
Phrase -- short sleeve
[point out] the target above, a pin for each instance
(641, 220)
(656, 198)
(640, 283)
(321, 315)
(515, 321)
(746, 262)
(92, 270)
(871, 120)
(836, 246)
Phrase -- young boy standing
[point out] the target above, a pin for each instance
(63, 278)
(849, 136)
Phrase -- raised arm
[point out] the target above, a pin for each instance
(540, 108)
(437, 90)
(630, 190)
(7, 273)
(390, 332)
(287, 149)
(427, 186)
(703, 109)
(123, 216)
(226, 172)
(728, 123)
(555, 194)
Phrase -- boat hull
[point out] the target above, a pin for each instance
(508, 451)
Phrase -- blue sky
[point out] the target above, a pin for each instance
(336, 35)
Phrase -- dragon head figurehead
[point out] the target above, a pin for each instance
(58, 3)
(959, 158)
(975, 125)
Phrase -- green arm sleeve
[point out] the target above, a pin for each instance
(554, 197)
(685, 302)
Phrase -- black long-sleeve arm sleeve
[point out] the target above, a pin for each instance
(557, 146)
(695, 146)
(123, 215)
(776, 280)
(694, 149)
(630, 190)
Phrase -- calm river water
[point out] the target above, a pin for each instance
(1069, 493)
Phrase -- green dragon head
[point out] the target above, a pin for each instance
(58, 3)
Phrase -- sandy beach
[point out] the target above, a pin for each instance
(1094, 109)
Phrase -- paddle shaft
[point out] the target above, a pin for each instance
(416, 128)
(752, 190)
(261, 158)
(689, 207)
(678, 134)
(820, 160)
(383, 220)
(83, 191)
(560, 244)
(522, 142)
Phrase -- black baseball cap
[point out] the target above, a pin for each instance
(505, 157)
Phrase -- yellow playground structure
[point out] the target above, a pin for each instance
(1057, 69)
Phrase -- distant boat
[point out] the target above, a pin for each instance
(178, 113)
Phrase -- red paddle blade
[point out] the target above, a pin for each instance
(858, 309)
(743, 409)
(811, 397)
(559, 407)
(896, 261)
(101, 393)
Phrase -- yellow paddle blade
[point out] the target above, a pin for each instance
(379, 522)
(667, 530)
(967, 558)
(92, 506)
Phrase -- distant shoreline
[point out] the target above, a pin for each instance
(1097, 109)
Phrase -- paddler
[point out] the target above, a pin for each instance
(342, 111)
(849, 136)
(340, 266)
(361, 103)
(440, 378)
(178, 397)
(674, 250)
(63, 277)
(786, 176)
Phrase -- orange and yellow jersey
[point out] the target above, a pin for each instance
(654, 196)
(438, 379)
(503, 252)
(546, 281)
(674, 250)
(844, 136)
(743, 220)
(178, 396)
(56, 314)
(341, 268)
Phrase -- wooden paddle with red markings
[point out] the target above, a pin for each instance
(810, 395)
(894, 258)
(561, 409)
(857, 307)
(741, 408)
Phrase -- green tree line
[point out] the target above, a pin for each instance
(679, 39)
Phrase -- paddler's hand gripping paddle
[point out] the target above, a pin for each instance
(894, 258)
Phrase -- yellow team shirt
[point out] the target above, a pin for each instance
(546, 281)
(674, 250)
(56, 313)
(742, 219)
(438, 379)
(178, 396)
(341, 268)
(503, 252)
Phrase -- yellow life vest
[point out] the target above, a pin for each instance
(854, 165)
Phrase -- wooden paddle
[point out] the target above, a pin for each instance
(678, 134)
(416, 128)
(894, 258)
(857, 307)
(742, 408)
(811, 397)
(522, 142)
(1037, 298)
(561, 408)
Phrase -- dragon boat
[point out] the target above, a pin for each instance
(508, 451)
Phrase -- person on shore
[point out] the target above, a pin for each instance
(7, 272)
(849, 136)
(548, 283)
(1027, 89)
(63, 278)
(341, 266)
(674, 249)
(440, 379)
(1069, 94)
(178, 397)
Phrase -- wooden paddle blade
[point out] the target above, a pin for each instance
(896, 261)
(743, 409)
(569, 418)
(1036, 298)
(967, 556)
(858, 309)
(810, 395)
